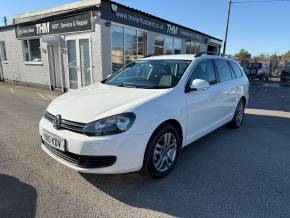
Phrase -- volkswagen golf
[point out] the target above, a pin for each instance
(142, 116)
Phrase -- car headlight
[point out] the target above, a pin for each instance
(110, 125)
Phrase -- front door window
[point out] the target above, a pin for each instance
(79, 62)
(72, 64)
(85, 62)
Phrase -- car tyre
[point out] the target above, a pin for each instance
(162, 151)
(239, 115)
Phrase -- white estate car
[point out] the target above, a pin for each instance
(140, 117)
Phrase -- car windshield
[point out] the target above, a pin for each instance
(152, 74)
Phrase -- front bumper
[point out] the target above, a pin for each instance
(120, 153)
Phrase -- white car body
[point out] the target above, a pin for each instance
(197, 112)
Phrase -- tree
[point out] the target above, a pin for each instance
(243, 54)
(262, 57)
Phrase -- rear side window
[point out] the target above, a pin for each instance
(223, 70)
(237, 70)
(204, 70)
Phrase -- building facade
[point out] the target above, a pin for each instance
(77, 44)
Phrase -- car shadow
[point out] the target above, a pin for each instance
(17, 199)
(226, 173)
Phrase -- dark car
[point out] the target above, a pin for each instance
(285, 74)
(258, 70)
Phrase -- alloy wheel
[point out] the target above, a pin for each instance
(165, 151)
(240, 113)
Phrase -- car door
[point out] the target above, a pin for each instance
(202, 106)
(227, 93)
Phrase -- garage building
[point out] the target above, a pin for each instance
(77, 44)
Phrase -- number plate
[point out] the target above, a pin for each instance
(54, 141)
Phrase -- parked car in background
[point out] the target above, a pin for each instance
(277, 72)
(285, 74)
(258, 70)
(141, 117)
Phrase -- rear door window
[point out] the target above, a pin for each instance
(237, 71)
(223, 70)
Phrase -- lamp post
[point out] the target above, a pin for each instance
(227, 27)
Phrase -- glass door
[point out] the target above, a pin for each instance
(79, 63)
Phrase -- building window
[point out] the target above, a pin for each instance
(197, 47)
(3, 51)
(167, 45)
(117, 48)
(188, 47)
(142, 44)
(128, 45)
(177, 46)
(192, 47)
(31, 50)
(159, 45)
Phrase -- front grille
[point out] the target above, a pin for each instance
(82, 161)
(66, 124)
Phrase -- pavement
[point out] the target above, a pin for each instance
(228, 173)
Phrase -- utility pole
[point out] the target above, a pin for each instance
(227, 27)
(5, 20)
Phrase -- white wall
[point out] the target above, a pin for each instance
(16, 69)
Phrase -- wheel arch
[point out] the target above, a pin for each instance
(243, 98)
(174, 123)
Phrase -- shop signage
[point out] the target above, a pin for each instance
(51, 39)
(121, 14)
(76, 23)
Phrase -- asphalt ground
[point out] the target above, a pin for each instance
(228, 173)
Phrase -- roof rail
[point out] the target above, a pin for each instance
(213, 53)
(227, 56)
(205, 53)
(149, 55)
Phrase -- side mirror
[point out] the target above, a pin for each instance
(199, 84)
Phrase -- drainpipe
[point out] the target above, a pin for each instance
(62, 68)
(1, 70)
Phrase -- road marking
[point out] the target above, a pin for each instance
(51, 97)
(12, 90)
(273, 113)
(43, 97)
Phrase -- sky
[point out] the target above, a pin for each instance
(256, 27)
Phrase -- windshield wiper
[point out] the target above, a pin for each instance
(157, 87)
(126, 85)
